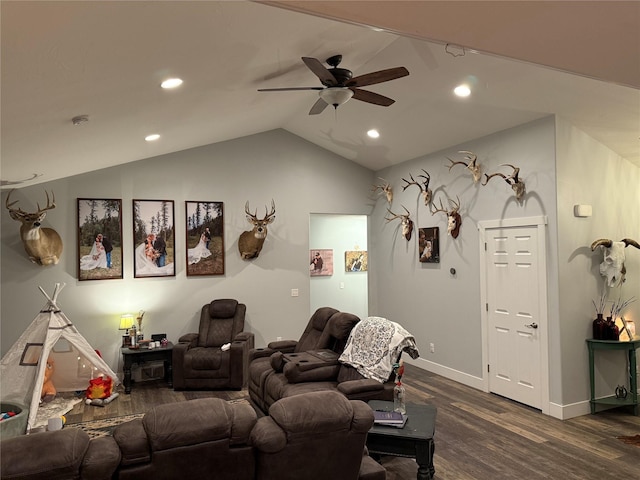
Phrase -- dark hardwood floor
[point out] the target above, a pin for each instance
(478, 435)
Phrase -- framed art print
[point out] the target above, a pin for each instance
(356, 261)
(153, 238)
(321, 262)
(99, 239)
(429, 245)
(205, 238)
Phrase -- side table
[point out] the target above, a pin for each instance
(632, 396)
(142, 355)
(414, 440)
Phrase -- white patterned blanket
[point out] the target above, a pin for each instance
(374, 345)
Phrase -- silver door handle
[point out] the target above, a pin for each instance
(533, 325)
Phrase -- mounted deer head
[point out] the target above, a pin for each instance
(386, 189)
(250, 242)
(454, 220)
(43, 245)
(612, 266)
(424, 188)
(405, 221)
(517, 185)
(471, 163)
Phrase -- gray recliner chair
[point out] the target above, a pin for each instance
(199, 362)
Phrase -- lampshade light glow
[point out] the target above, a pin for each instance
(336, 96)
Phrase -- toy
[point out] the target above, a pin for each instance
(99, 388)
(48, 389)
(101, 402)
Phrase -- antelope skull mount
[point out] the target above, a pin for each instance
(454, 220)
(516, 183)
(471, 163)
(250, 242)
(612, 265)
(384, 188)
(424, 187)
(43, 245)
(405, 221)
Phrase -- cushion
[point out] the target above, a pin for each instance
(224, 308)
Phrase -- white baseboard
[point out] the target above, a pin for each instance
(450, 373)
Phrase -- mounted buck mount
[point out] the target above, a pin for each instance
(612, 266)
(405, 222)
(424, 187)
(454, 220)
(385, 188)
(251, 241)
(43, 245)
(472, 164)
(516, 183)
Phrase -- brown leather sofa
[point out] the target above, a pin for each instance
(198, 359)
(316, 436)
(288, 368)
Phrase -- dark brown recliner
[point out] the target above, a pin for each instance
(199, 362)
(315, 337)
(203, 438)
(316, 436)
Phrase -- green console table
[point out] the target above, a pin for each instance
(612, 400)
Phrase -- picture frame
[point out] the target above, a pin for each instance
(356, 261)
(321, 262)
(429, 245)
(100, 249)
(153, 238)
(204, 227)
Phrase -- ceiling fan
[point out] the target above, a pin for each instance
(340, 85)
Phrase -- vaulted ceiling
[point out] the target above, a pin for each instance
(107, 59)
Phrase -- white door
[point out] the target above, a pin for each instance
(516, 312)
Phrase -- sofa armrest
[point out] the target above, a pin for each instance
(317, 372)
(190, 338)
(133, 443)
(245, 337)
(267, 436)
(255, 353)
(284, 346)
(354, 387)
(239, 359)
(101, 459)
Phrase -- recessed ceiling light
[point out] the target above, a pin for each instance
(171, 83)
(462, 90)
(373, 133)
(152, 137)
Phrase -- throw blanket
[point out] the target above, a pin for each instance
(374, 345)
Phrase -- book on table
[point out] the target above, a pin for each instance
(395, 419)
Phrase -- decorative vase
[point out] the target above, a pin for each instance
(612, 332)
(398, 398)
(599, 327)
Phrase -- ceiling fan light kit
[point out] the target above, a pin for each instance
(339, 84)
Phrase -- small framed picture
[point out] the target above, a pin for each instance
(355, 261)
(429, 245)
(153, 238)
(321, 262)
(205, 238)
(99, 239)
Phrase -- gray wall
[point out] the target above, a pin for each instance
(300, 177)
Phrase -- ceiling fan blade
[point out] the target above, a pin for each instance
(377, 77)
(288, 88)
(325, 76)
(318, 107)
(371, 97)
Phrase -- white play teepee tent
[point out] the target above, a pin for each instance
(50, 335)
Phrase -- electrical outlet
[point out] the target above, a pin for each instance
(432, 348)
(278, 339)
(294, 292)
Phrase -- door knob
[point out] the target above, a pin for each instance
(533, 325)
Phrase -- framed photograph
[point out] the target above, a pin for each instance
(205, 238)
(99, 239)
(153, 238)
(355, 261)
(429, 245)
(321, 262)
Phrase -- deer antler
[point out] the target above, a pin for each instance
(385, 188)
(49, 206)
(424, 188)
(471, 164)
(405, 219)
(453, 217)
(517, 185)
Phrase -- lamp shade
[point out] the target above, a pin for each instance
(126, 321)
(336, 96)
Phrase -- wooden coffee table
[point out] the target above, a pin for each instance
(142, 355)
(414, 440)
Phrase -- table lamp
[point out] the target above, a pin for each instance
(126, 322)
